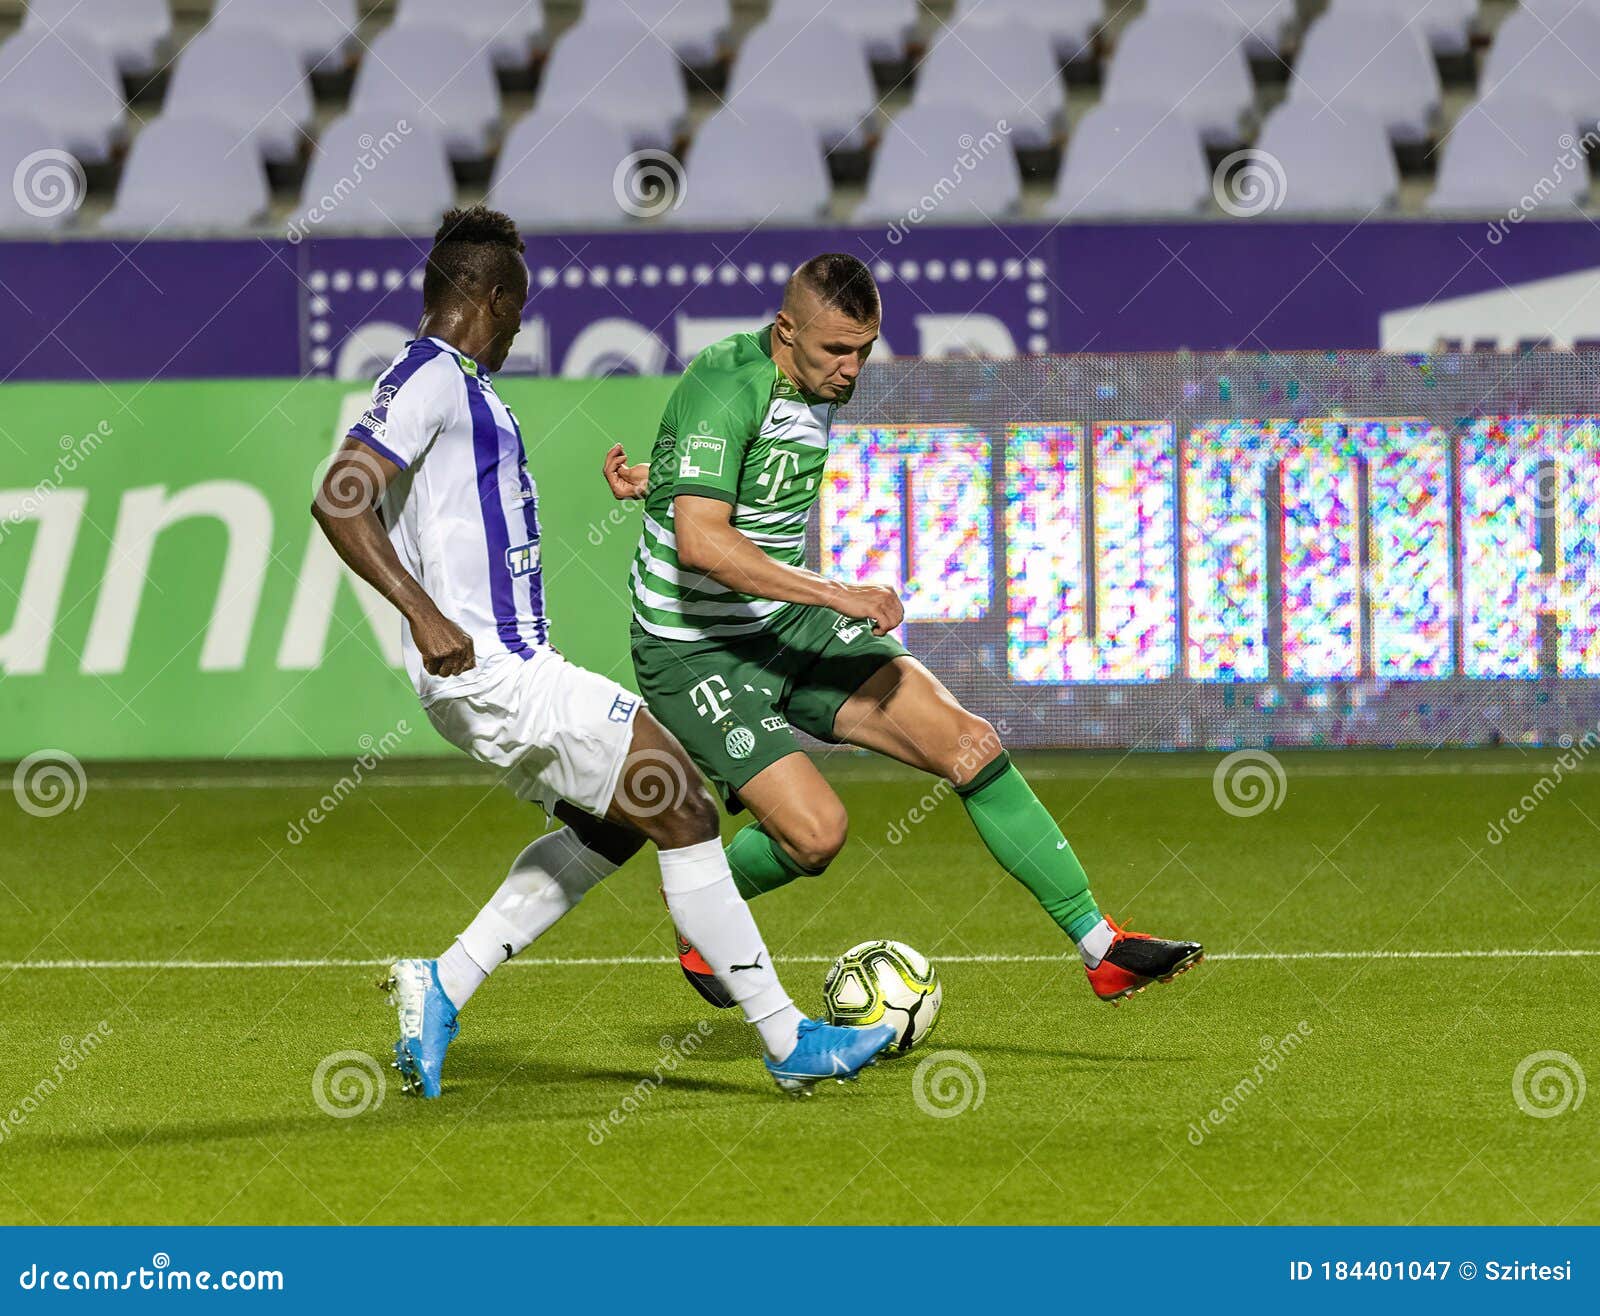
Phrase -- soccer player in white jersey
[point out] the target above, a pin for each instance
(429, 500)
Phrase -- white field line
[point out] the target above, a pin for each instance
(1140, 769)
(620, 961)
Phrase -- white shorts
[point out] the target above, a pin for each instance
(557, 731)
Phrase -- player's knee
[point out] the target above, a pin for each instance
(692, 820)
(977, 744)
(814, 840)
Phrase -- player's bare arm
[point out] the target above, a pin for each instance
(345, 509)
(709, 543)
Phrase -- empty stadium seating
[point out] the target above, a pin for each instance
(580, 148)
(1132, 160)
(1185, 61)
(189, 175)
(1107, 110)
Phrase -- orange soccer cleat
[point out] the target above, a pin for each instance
(1136, 959)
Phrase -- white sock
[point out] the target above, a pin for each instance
(710, 912)
(548, 878)
(1096, 942)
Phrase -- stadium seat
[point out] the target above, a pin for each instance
(756, 164)
(1131, 160)
(510, 29)
(884, 26)
(132, 30)
(68, 81)
(435, 75)
(43, 194)
(840, 101)
(1445, 25)
(1332, 161)
(1553, 11)
(368, 177)
(559, 168)
(1374, 61)
(321, 32)
(621, 72)
(1264, 22)
(248, 80)
(1070, 24)
(1508, 149)
(188, 175)
(1551, 56)
(1187, 60)
(920, 173)
(1007, 69)
(695, 30)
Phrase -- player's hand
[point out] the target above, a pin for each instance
(875, 603)
(446, 649)
(625, 481)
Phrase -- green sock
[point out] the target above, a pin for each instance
(1025, 841)
(759, 863)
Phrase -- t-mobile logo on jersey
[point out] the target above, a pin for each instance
(775, 471)
(712, 698)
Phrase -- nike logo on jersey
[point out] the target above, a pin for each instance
(754, 964)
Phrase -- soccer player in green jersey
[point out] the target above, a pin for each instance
(735, 643)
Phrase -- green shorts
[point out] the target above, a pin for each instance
(734, 702)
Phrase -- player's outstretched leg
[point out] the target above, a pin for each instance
(661, 795)
(904, 711)
(546, 881)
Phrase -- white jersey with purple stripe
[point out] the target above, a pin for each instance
(463, 515)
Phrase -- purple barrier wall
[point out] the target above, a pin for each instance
(644, 302)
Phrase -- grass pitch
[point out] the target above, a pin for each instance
(149, 916)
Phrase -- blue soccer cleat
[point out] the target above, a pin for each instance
(827, 1051)
(427, 1024)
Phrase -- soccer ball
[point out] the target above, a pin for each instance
(884, 982)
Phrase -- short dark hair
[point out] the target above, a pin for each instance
(472, 251)
(842, 282)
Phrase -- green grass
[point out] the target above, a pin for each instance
(1396, 1107)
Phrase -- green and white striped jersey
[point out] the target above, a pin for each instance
(738, 429)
